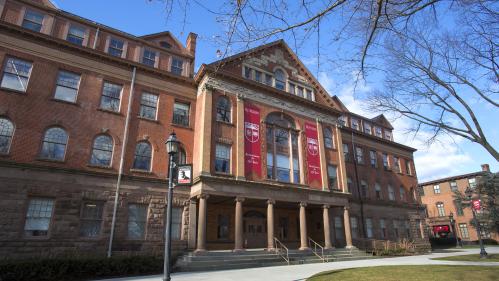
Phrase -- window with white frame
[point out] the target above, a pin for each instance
(76, 34)
(436, 189)
(388, 135)
(181, 114)
(385, 161)
(148, 105)
(332, 176)
(54, 144)
(6, 134)
(137, 221)
(440, 209)
(472, 182)
(222, 158)
(16, 74)
(374, 159)
(116, 47)
(378, 131)
(177, 66)
(67, 86)
(111, 97)
(33, 20)
(299, 92)
(369, 227)
(310, 95)
(453, 186)
(408, 167)
(377, 188)
(463, 228)
(367, 128)
(328, 137)
(102, 151)
(338, 228)
(396, 164)
(354, 226)
(343, 120)
(346, 153)
(143, 156)
(223, 109)
(280, 79)
(38, 217)
(149, 57)
(391, 193)
(91, 219)
(359, 153)
(355, 124)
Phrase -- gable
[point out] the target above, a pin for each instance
(164, 40)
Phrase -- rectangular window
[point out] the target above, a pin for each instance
(385, 161)
(472, 182)
(367, 128)
(382, 227)
(377, 188)
(291, 88)
(359, 152)
(463, 228)
(310, 95)
(76, 35)
(369, 228)
(346, 153)
(349, 184)
(364, 189)
(149, 58)
(33, 20)
(67, 86)
(137, 221)
(268, 79)
(148, 105)
(396, 164)
(222, 158)
(16, 74)
(176, 223)
(374, 158)
(388, 135)
(436, 189)
(355, 124)
(391, 193)
(181, 114)
(300, 92)
(331, 171)
(38, 217)
(111, 97)
(402, 194)
(408, 167)
(247, 72)
(258, 76)
(338, 228)
(115, 47)
(441, 209)
(177, 66)
(459, 208)
(91, 219)
(223, 227)
(379, 132)
(453, 186)
(343, 121)
(355, 227)
(421, 191)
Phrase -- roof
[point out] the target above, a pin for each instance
(463, 176)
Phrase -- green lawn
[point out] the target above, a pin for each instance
(474, 257)
(411, 273)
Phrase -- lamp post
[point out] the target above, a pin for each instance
(172, 149)
(453, 225)
(469, 194)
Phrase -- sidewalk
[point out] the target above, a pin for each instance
(302, 272)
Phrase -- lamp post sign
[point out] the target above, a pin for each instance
(184, 174)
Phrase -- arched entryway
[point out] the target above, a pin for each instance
(255, 229)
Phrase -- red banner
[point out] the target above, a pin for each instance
(252, 154)
(313, 157)
(477, 205)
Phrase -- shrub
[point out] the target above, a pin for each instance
(78, 269)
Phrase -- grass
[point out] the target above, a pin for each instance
(411, 273)
(473, 257)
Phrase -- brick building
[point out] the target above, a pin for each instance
(85, 110)
(438, 197)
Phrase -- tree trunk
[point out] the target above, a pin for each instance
(491, 150)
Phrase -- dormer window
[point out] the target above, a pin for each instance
(300, 92)
(379, 132)
(177, 66)
(367, 128)
(280, 79)
(388, 135)
(343, 121)
(310, 95)
(355, 124)
(76, 35)
(115, 47)
(165, 44)
(149, 58)
(33, 20)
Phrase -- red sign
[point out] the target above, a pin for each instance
(441, 228)
(477, 205)
(313, 157)
(252, 154)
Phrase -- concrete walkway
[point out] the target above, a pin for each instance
(302, 272)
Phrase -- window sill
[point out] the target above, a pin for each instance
(5, 155)
(99, 166)
(222, 174)
(65, 102)
(51, 160)
(141, 171)
(226, 123)
(156, 121)
(12, 91)
(109, 111)
(181, 126)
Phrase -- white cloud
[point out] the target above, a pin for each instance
(440, 159)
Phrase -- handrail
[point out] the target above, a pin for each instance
(315, 251)
(282, 250)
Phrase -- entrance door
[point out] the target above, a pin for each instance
(255, 230)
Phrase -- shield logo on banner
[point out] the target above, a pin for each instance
(251, 131)
(312, 146)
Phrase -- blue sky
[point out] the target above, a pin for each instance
(140, 17)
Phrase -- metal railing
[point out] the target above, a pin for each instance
(317, 249)
(282, 250)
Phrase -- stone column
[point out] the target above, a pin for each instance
(202, 132)
(192, 235)
(346, 222)
(238, 237)
(239, 145)
(201, 245)
(327, 229)
(303, 227)
(270, 224)
(185, 220)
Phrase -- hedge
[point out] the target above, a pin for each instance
(78, 269)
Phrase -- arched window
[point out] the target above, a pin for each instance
(328, 138)
(280, 79)
(142, 157)
(102, 151)
(6, 133)
(54, 144)
(223, 109)
(282, 154)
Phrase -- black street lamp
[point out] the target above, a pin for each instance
(453, 225)
(469, 195)
(172, 149)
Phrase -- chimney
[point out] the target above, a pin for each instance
(485, 168)
(191, 43)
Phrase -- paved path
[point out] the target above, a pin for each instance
(302, 272)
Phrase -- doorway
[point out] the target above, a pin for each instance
(255, 229)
